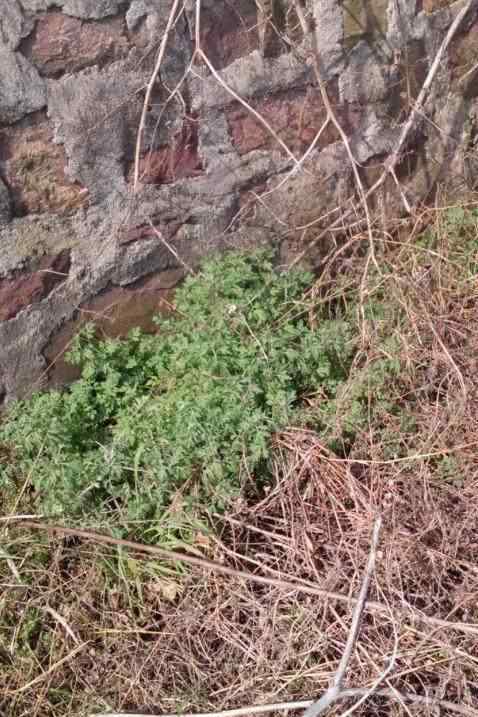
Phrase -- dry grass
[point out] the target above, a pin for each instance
(94, 629)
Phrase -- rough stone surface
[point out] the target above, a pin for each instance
(366, 81)
(79, 105)
(294, 117)
(21, 88)
(91, 9)
(212, 173)
(330, 32)
(13, 23)
(63, 44)
(220, 38)
(86, 9)
(138, 10)
(249, 76)
(31, 287)
(34, 168)
(178, 160)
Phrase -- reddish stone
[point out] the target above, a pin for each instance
(62, 44)
(129, 235)
(295, 119)
(30, 288)
(134, 234)
(34, 169)
(178, 160)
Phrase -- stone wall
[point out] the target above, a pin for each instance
(75, 240)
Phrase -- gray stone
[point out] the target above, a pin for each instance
(13, 24)
(375, 136)
(85, 9)
(155, 17)
(22, 90)
(368, 76)
(91, 112)
(34, 6)
(329, 28)
(138, 10)
(91, 9)
(249, 76)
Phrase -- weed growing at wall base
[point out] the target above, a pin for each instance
(159, 428)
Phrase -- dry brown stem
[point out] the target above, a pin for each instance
(334, 692)
(149, 91)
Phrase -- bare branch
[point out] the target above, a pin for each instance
(335, 690)
(61, 620)
(245, 104)
(47, 673)
(359, 607)
(170, 248)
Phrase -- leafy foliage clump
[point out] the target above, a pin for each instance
(161, 426)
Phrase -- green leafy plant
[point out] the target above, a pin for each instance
(161, 426)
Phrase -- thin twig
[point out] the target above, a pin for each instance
(239, 712)
(149, 91)
(403, 459)
(250, 109)
(61, 620)
(170, 248)
(335, 690)
(11, 565)
(44, 675)
(197, 30)
(450, 358)
(467, 74)
(410, 697)
(11, 518)
(359, 607)
(382, 676)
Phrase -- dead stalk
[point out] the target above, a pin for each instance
(149, 91)
(334, 692)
